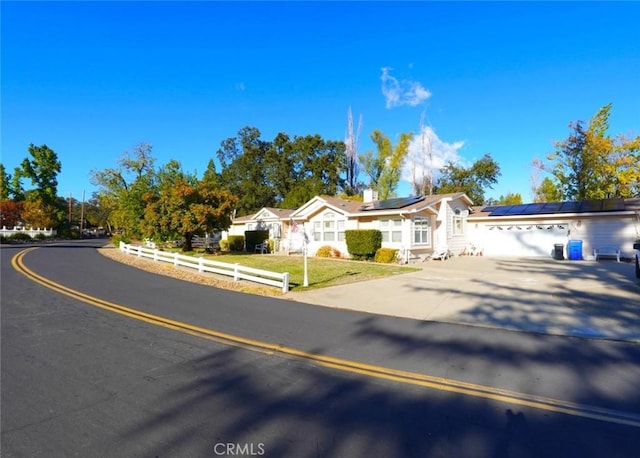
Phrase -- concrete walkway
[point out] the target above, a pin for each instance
(573, 298)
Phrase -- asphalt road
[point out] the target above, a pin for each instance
(78, 380)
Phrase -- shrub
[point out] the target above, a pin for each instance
(20, 237)
(40, 236)
(363, 243)
(386, 255)
(236, 242)
(327, 251)
(120, 238)
(224, 245)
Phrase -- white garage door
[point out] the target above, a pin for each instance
(522, 239)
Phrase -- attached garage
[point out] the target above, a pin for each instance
(534, 229)
(521, 239)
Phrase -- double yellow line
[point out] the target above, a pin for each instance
(411, 378)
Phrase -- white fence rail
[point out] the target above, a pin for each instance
(238, 272)
(30, 232)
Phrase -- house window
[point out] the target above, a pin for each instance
(457, 222)
(328, 229)
(421, 231)
(391, 230)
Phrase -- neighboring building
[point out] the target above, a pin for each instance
(534, 229)
(416, 224)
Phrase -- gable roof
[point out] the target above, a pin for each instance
(272, 212)
(355, 208)
(393, 206)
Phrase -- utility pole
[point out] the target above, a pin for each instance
(82, 216)
(69, 208)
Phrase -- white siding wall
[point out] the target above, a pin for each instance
(606, 231)
(457, 242)
(525, 238)
(521, 238)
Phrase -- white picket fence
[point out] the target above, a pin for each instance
(237, 271)
(30, 232)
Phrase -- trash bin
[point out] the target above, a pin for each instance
(558, 251)
(574, 250)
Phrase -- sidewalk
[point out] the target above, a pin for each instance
(572, 298)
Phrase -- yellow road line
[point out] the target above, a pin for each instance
(412, 378)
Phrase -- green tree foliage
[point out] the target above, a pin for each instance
(244, 174)
(590, 164)
(183, 206)
(304, 167)
(385, 167)
(42, 169)
(510, 199)
(5, 184)
(473, 181)
(547, 192)
(122, 189)
(285, 172)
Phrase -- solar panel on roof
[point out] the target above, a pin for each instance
(391, 204)
(516, 210)
(569, 207)
(585, 206)
(590, 206)
(613, 205)
(551, 207)
(500, 211)
(533, 209)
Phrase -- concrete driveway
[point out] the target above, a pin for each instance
(573, 298)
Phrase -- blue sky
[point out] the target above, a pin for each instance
(93, 79)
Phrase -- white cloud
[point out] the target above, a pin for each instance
(240, 86)
(397, 93)
(419, 161)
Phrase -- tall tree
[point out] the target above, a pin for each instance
(547, 191)
(243, 172)
(5, 184)
(352, 168)
(385, 167)
(285, 172)
(510, 199)
(589, 164)
(42, 169)
(304, 167)
(473, 181)
(184, 206)
(422, 162)
(121, 190)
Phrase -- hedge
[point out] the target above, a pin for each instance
(363, 243)
(236, 242)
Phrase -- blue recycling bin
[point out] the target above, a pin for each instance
(574, 250)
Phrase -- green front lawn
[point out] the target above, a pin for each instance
(322, 272)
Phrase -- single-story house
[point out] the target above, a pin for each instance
(534, 229)
(424, 224)
(417, 225)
